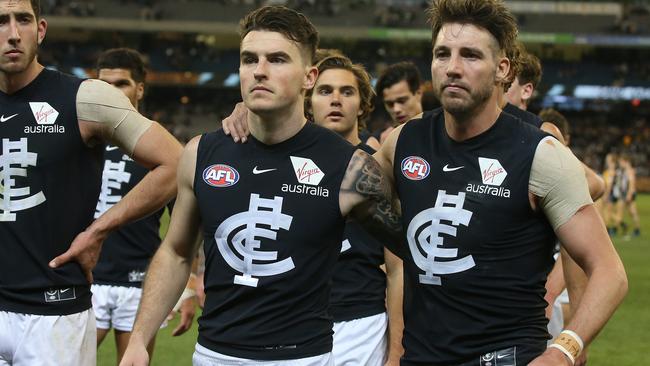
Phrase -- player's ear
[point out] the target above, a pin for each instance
(42, 29)
(310, 78)
(139, 91)
(503, 69)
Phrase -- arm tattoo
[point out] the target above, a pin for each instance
(378, 210)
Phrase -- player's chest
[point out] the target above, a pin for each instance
(37, 130)
(485, 181)
(299, 185)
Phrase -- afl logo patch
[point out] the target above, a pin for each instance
(220, 175)
(415, 168)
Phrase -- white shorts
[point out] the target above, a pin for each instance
(205, 357)
(361, 342)
(48, 340)
(116, 306)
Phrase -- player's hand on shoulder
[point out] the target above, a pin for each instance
(236, 125)
(85, 249)
(551, 357)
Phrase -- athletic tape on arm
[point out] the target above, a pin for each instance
(558, 179)
(98, 101)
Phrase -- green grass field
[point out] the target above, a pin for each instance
(621, 343)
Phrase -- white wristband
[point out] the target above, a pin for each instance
(575, 336)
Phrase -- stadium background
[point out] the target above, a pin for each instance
(595, 63)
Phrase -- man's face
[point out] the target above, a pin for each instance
(20, 35)
(273, 72)
(336, 101)
(465, 68)
(401, 103)
(518, 95)
(122, 79)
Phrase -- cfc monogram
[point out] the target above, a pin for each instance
(245, 242)
(423, 236)
(14, 160)
(112, 179)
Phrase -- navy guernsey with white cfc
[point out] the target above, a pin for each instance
(272, 232)
(49, 183)
(359, 284)
(478, 255)
(127, 251)
(523, 115)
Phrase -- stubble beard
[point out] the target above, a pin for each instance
(465, 108)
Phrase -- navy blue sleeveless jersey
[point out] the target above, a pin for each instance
(523, 115)
(359, 285)
(49, 182)
(126, 252)
(272, 232)
(478, 255)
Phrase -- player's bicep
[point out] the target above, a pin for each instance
(185, 223)
(585, 238)
(557, 179)
(156, 147)
(106, 114)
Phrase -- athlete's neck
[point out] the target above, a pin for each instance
(352, 136)
(12, 82)
(502, 101)
(461, 127)
(277, 126)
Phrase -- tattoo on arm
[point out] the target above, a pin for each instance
(377, 208)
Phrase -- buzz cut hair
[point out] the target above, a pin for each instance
(36, 7)
(123, 58)
(401, 71)
(291, 24)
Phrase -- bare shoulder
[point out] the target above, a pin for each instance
(187, 164)
(552, 129)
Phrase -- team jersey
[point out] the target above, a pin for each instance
(618, 189)
(478, 255)
(126, 252)
(359, 284)
(523, 115)
(272, 232)
(49, 186)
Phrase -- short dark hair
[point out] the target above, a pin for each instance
(401, 71)
(556, 118)
(36, 7)
(288, 22)
(491, 15)
(337, 61)
(123, 58)
(530, 69)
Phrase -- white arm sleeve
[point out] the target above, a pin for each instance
(558, 179)
(98, 101)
